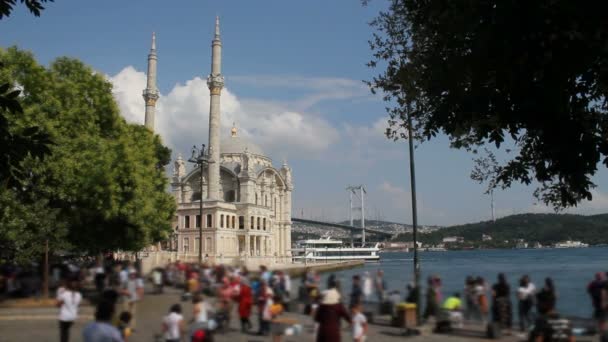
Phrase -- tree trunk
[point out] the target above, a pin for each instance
(45, 271)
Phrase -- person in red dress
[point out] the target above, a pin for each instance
(245, 300)
(329, 314)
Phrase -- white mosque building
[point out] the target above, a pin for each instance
(247, 201)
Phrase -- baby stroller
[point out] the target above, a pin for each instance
(222, 317)
(201, 332)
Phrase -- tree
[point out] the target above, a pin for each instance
(494, 72)
(34, 6)
(485, 171)
(104, 179)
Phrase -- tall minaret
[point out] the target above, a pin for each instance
(215, 81)
(151, 92)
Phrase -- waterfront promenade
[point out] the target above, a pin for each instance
(41, 325)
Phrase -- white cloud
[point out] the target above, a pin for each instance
(182, 117)
(319, 88)
(598, 205)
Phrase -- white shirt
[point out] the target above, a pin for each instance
(172, 322)
(124, 276)
(68, 312)
(358, 321)
(367, 286)
(158, 277)
(287, 283)
(132, 286)
(526, 292)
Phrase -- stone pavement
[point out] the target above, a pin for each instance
(40, 325)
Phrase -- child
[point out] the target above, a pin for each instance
(359, 323)
(277, 328)
(123, 325)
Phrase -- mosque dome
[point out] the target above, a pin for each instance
(238, 144)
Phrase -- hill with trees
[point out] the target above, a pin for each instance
(546, 229)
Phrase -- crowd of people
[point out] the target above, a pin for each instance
(257, 301)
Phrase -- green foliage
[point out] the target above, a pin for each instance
(546, 229)
(482, 72)
(104, 177)
(34, 6)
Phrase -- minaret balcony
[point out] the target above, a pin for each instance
(215, 81)
(151, 94)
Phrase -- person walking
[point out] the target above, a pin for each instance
(432, 298)
(482, 299)
(68, 300)
(359, 325)
(525, 296)
(380, 285)
(245, 300)
(546, 297)
(367, 286)
(551, 327)
(134, 292)
(471, 305)
(356, 293)
(173, 324)
(501, 303)
(101, 329)
(329, 315)
(598, 291)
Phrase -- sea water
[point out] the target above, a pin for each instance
(571, 269)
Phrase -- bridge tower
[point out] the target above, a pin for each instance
(352, 189)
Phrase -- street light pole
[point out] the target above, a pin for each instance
(200, 158)
(414, 218)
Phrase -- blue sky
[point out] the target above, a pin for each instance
(293, 85)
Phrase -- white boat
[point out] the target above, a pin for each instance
(570, 244)
(435, 249)
(327, 249)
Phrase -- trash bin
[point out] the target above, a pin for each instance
(406, 315)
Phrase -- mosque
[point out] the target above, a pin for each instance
(247, 201)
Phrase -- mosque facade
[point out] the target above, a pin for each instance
(246, 200)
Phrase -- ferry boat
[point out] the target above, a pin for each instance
(327, 249)
(571, 244)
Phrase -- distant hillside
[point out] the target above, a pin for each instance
(301, 230)
(543, 228)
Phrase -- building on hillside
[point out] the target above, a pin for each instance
(485, 237)
(247, 201)
(453, 239)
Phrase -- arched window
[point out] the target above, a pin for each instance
(230, 196)
(222, 221)
(256, 198)
(208, 245)
(233, 221)
(209, 221)
(258, 223)
(251, 223)
(264, 225)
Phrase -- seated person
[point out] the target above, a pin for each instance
(452, 308)
(550, 327)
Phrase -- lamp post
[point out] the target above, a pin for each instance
(414, 217)
(199, 158)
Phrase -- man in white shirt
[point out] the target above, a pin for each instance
(68, 301)
(173, 324)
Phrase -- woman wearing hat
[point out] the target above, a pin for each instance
(329, 313)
